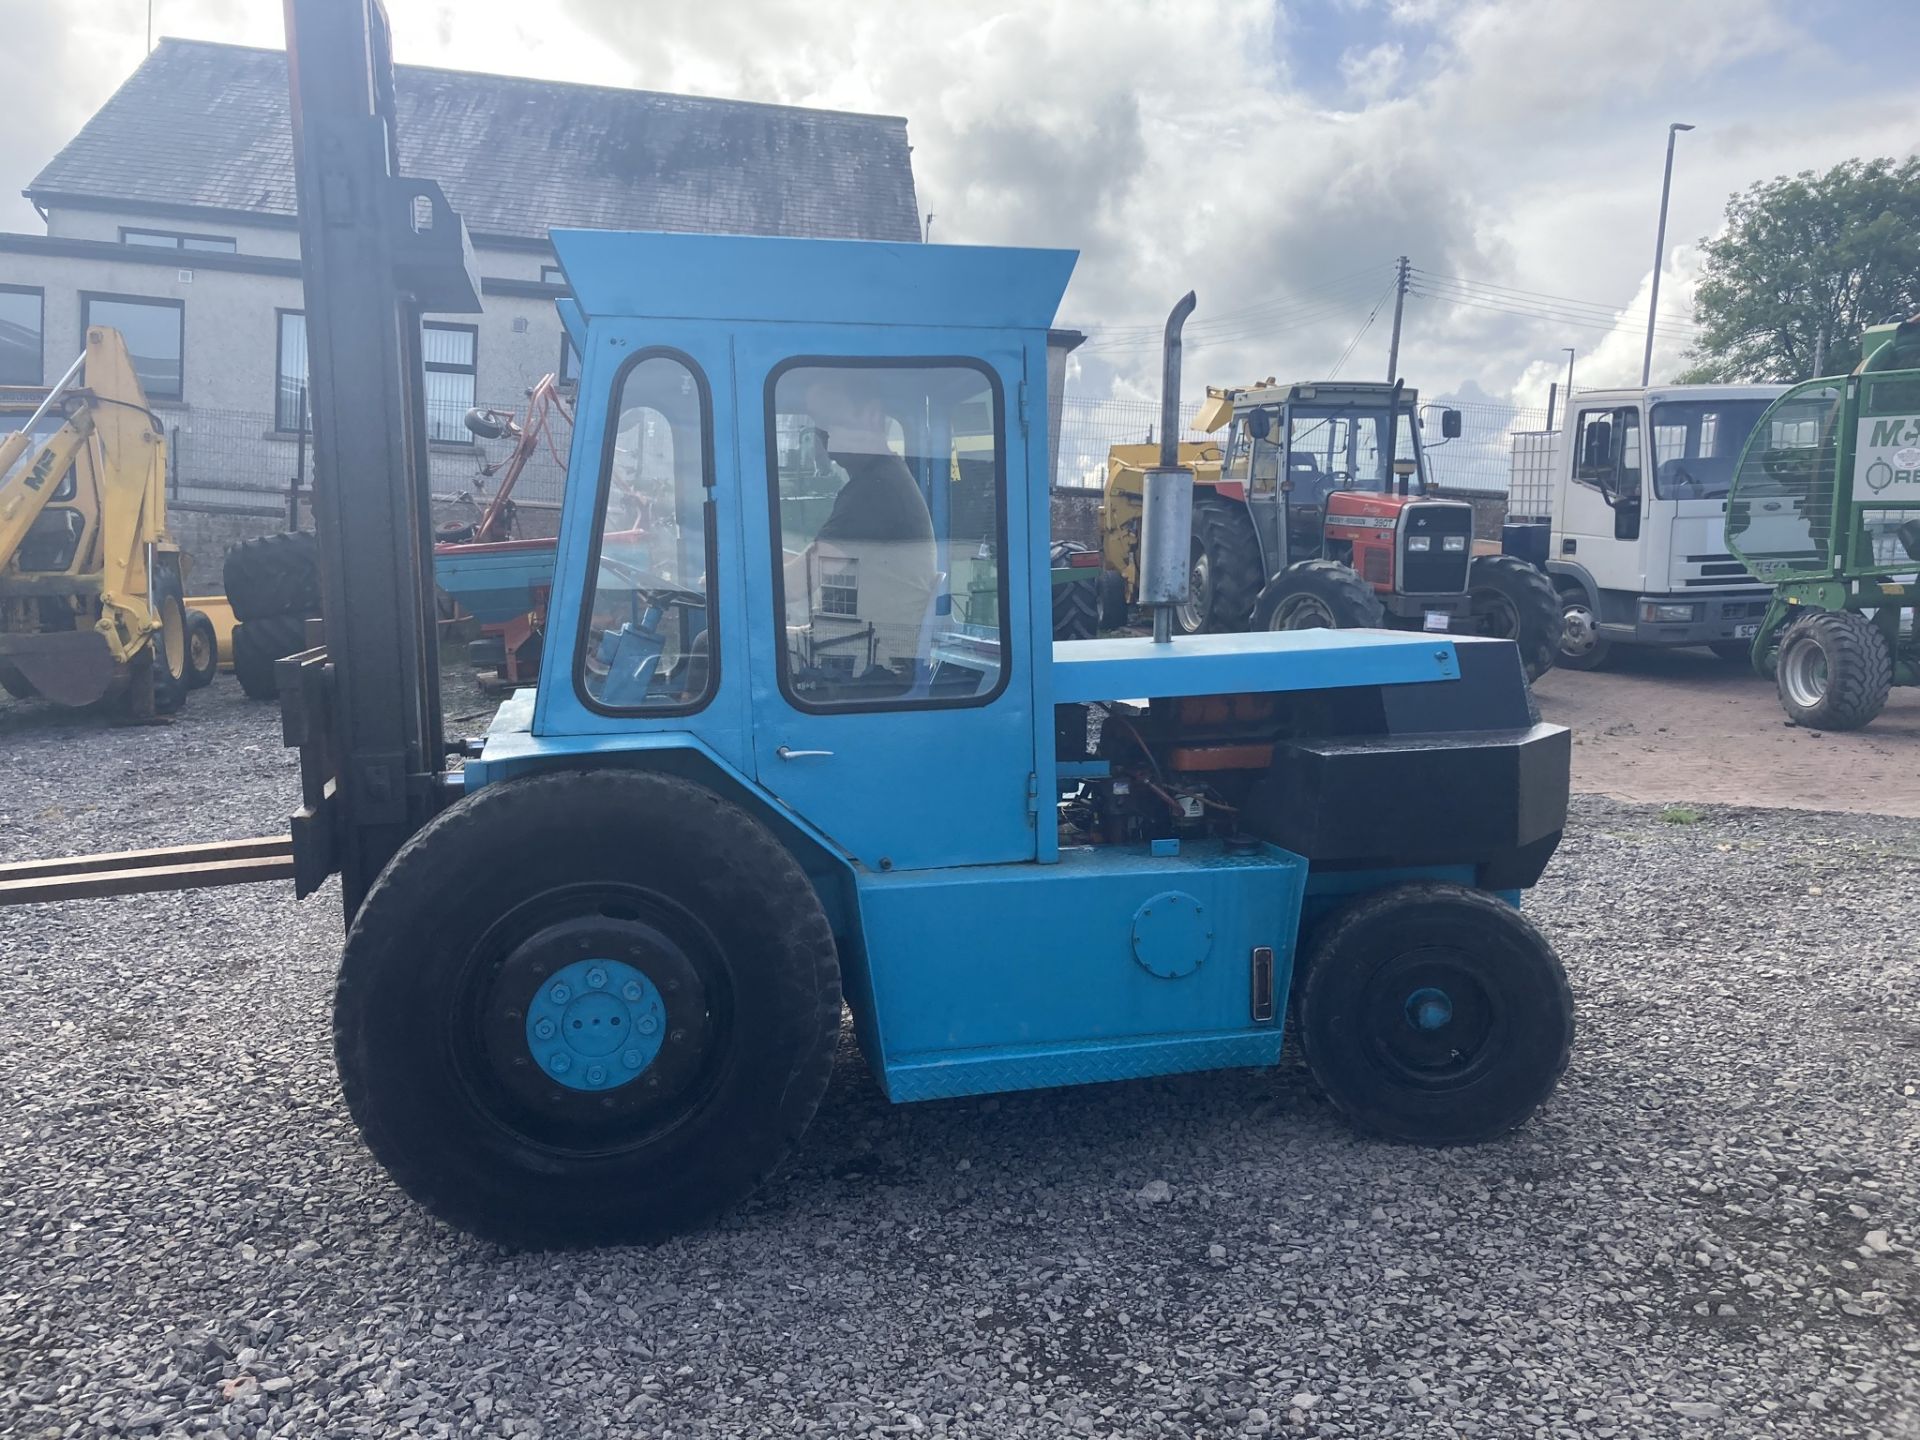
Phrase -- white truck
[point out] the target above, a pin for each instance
(1624, 506)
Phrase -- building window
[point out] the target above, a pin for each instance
(22, 316)
(448, 354)
(153, 330)
(291, 407)
(175, 240)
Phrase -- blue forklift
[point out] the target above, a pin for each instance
(803, 744)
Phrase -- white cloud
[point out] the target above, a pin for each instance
(1517, 142)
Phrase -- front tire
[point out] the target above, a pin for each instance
(1511, 600)
(1435, 1014)
(1834, 671)
(258, 644)
(457, 1049)
(169, 641)
(203, 651)
(1582, 647)
(1318, 595)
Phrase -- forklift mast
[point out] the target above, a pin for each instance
(377, 250)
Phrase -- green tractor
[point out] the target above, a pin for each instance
(1825, 506)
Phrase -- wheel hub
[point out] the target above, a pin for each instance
(596, 1024)
(1576, 633)
(1433, 1022)
(597, 1010)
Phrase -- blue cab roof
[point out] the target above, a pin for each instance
(851, 282)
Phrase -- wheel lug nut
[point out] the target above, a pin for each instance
(631, 1059)
(543, 1029)
(631, 990)
(560, 1064)
(596, 977)
(560, 994)
(648, 1025)
(595, 1074)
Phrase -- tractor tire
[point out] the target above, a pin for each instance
(1318, 595)
(504, 926)
(257, 644)
(1834, 671)
(1227, 573)
(1582, 647)
(1511, 600)
(203, 651)
(274, 575)
(170, 642)
(1112, 590)
(1434, 1014)
(1076, 605)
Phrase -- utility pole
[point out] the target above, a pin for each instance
(1569, 350)
(1659, 253)
(1399, 304)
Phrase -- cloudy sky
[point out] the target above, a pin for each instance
(1275, 157)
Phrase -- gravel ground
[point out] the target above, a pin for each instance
(1711, 1231)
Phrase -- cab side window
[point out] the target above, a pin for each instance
(646, 642)
(1609, 451)
(888, 488)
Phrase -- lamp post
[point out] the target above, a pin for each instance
(1659, 252)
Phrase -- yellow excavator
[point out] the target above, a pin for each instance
(92, 589)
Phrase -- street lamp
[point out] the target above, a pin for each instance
(1659, 253)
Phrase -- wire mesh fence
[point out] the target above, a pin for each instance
(241, 461)
(1476, 460)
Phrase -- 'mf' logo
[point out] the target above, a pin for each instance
(42, 470)
(1893, 431)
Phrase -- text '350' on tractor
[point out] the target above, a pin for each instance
(1315, 512)
(781, 764)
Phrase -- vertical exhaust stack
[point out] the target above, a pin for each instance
(1166, 514)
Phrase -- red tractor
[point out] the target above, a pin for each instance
(1316, 512)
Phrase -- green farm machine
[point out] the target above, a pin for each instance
(1825, 506)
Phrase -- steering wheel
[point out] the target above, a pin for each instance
(655, 589)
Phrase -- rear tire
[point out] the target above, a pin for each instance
(258, 644)
(203, 651)
(1434, 1014)
(452, 966)
(1076, 604)
(1227, 573)
(1582, 647)
(1318, 595)
(1834, 671)
(1511, 600)
(274, 575)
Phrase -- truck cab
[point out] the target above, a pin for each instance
(1624, 506)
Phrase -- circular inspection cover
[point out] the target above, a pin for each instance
(1172, 934)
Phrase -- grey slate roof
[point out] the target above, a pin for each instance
(205, 126)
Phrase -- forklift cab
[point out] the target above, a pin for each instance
(803, 548)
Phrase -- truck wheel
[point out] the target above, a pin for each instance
(203, 651)
(1834, 671)
(1227, 574)
(1582, 647)
(1435, 1014)
(257, 644)
(1513, 601)
(1076, 604)
(1318, 595)
(586, 1007)
(274, 575)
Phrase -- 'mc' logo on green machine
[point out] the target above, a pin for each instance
(1887, 460)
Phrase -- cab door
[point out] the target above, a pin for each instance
(888, 554)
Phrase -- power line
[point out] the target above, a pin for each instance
(1331, 295)
(1533, 300)
(1365, 325)
(1581, 319)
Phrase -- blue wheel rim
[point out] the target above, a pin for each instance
(595, 1025)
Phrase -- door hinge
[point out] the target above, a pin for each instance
(1023, 407)
(1033, 795)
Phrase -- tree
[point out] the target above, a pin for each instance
(1804, 264)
